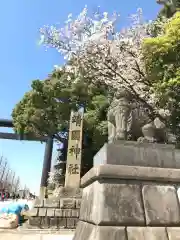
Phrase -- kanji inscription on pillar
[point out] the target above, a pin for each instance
(73, 165)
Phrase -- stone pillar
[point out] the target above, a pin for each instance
(46, 167)
(131, 202)
(63, 211)
(73, 165)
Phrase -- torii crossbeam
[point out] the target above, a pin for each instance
(47, 155)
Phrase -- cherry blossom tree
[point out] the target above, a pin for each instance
(97, 51)
(54, 177)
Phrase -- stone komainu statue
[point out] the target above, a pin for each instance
(129, 120)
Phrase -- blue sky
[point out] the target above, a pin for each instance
(22, 60)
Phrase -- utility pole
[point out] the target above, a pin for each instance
(12, 182)
(9, 179)
(25, 191)
(6, 179)
(17, 184)
(1, 160)
(3, 172)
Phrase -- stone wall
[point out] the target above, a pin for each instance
(130, 203)
(55, 213)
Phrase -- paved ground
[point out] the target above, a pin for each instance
(31, 235)
(9, 236)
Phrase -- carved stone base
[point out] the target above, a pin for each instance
(54, 213)
(88, 231)
(129, 203)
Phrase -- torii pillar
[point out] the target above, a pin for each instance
(46, 167)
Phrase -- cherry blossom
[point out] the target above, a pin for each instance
(97, 51)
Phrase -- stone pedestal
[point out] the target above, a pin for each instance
(122, 202)
(56, 213)
(138, 154)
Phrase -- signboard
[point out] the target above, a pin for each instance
(73, 165)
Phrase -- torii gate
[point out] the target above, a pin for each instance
(47, 154)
